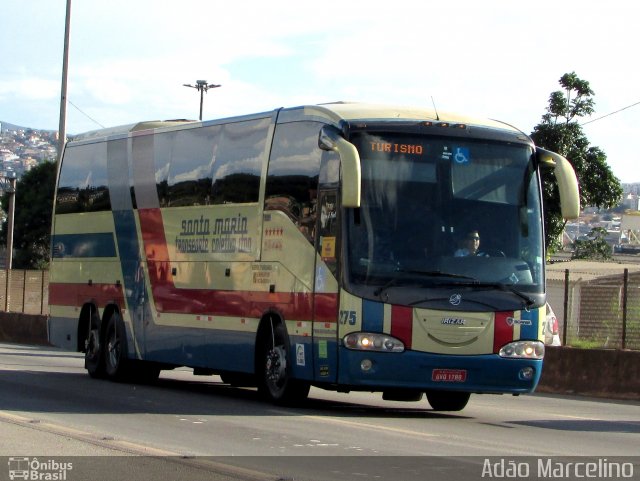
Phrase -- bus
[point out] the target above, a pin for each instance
(308, 246)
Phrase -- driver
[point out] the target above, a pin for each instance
(469, 245)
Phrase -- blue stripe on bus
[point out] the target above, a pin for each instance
(130, 262)
(99, 244)
(372, 316)
(529, 331)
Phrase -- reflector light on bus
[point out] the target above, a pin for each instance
(523, 350)
(367, 341)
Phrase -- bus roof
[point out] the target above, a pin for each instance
(354, 111)
(335, 112)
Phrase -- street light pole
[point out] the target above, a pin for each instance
(62, 128)
(202, 86)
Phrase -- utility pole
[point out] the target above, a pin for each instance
(202, 86)
(9, 183)
(62, 128)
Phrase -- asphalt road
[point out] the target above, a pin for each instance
(187, 427)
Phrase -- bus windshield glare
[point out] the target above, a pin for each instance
(445, 211)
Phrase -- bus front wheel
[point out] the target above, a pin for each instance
(274, 369)
(448, 400)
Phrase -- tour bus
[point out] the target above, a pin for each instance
(316, 246)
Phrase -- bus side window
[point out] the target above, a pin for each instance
(237, 159)
(189, 176)
(83, 185)
(292, 179)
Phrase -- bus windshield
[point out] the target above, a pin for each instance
(446, 211)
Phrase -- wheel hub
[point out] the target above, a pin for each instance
(276, 364)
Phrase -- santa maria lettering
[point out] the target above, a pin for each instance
(222, 235)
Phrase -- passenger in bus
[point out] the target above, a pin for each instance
(469, 245)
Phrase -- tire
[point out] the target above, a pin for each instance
(274, 370)
(448, 400)
(115, 348)
(93, 356)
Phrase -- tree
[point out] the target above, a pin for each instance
(32, 220)
(560, 132)
(594, 246)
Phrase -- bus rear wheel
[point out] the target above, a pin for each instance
(448, 400)
(93, 358)
(274, 371)
(115, 349)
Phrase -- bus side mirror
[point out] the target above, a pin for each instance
(330, 139)
(567, 182)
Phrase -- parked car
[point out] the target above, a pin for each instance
(551, 330)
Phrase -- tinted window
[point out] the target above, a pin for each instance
(189, 176)
(83, 180)
(294, 167)
(218, 164)
(237, 161)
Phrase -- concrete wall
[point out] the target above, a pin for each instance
(23, 328)
(609, 373)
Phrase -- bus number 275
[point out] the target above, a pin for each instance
(348, 317)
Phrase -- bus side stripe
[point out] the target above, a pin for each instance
(63, 294)
(130, 262)
(240, 304)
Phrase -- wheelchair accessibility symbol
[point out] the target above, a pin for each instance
(462, 155)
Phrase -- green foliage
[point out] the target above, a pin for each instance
(560, 132)
(32, 220)
(594, 247)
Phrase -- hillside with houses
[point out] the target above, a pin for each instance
(22, 148)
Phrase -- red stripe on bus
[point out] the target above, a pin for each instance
(402, 324)
(326, 307)
(78, 294)
(502, 331)
(294, 306)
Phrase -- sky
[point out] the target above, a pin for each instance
(499, 59)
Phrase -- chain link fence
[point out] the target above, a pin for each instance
(596, 310)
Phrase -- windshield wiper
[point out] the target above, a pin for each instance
(486, 285)
(503, 287)
(507, 287)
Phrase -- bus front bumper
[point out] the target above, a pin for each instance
(489, 373)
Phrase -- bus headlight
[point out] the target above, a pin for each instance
(368, 341)
(523, 350)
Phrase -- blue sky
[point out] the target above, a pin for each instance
(497, 58)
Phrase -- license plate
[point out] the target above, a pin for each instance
(449, 375)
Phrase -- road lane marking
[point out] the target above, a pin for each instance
(378, 428)
(135, 449)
